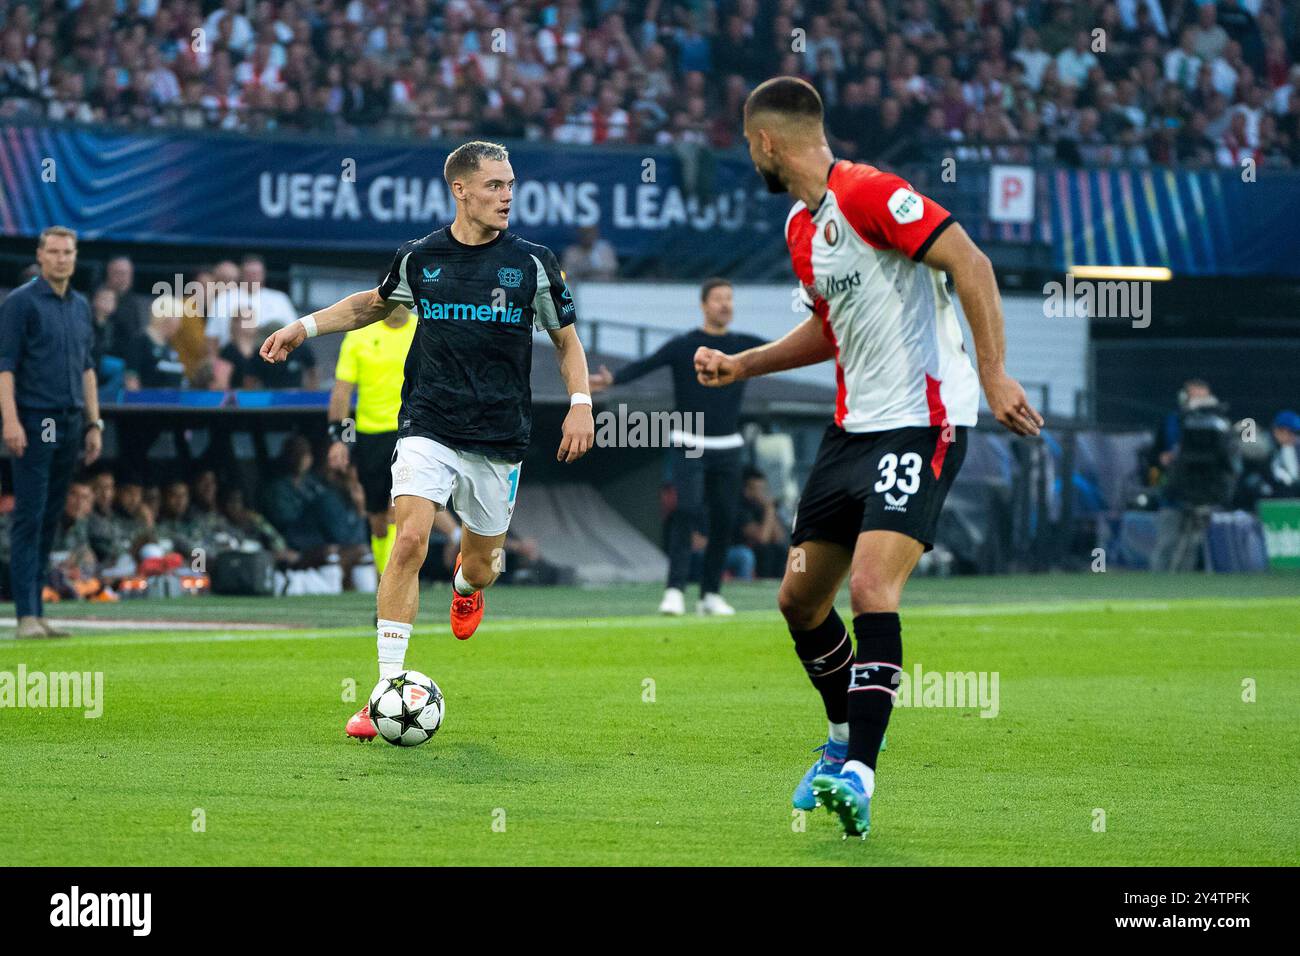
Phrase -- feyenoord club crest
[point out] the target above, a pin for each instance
(831, 232)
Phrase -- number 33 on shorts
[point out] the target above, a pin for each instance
(903, 473)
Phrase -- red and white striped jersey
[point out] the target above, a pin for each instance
(899, 359)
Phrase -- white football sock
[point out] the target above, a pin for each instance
(392, 639)
(865, 774)
(839, 732)
(463, 587)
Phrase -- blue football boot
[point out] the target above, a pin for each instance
(830, 762)
(842, 794)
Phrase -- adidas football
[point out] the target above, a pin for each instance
(407, 709)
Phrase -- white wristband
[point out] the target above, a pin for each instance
(309, 323)
(579, 398)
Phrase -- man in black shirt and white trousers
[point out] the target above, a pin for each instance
(49, 400)
(706, 467)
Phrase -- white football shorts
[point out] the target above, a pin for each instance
(480, 489)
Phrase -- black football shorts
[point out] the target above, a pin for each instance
(893, 480)
(373, 456)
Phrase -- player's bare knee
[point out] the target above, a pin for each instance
(478, 571)
(409, 547)
(870, 594)
(799, 612)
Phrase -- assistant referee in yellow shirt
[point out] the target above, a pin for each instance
(372, 362)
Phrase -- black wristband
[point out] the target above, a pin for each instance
(336, 431)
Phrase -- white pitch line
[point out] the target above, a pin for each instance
(503, 625)
(118, 624)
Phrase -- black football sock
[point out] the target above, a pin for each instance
(825, 652)
(873, 682)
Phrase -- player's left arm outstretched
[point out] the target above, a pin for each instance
(977, 287)
(354, 312)
(579, 428)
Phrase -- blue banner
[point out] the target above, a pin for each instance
(230, 190)
(214, 189)
(1209, 222)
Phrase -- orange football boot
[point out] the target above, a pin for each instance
(361, 726)
(466, 612)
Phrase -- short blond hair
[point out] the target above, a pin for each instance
(466, 159)
(56, 231)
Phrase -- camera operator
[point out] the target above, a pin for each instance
(1202, 475)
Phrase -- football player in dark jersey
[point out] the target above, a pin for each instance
(478, 291)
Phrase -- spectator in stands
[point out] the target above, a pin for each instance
(1075, 63)
(74, 524)
(1284, 465)
(101, 519)
(575, 73)
(1031, 55)
(75, 573)
(310, 514)
(247, 525)
(250, 302)
(344, 510)
(151, 359)
(1182, 65)
(17, 73)
(238, 362)
(1209, 39)
(1235, 149)
(204, 497)
(113, 537)
(591, 257)
(135, 518)
(229, 24)
(151, 497)
(132, 313)
(760, 528)
(183, 528)
(105, 352)
(190, 340)
(851, 123)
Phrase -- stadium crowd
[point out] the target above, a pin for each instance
(119, 529)
(1084, 81)
(207, 337)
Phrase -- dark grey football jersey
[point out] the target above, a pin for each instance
(468, 371)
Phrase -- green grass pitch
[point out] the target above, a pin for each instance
(581, 730)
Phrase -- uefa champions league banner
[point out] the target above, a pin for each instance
(349, 195)
(219, 189)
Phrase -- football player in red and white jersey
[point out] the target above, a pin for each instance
(870, 254)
